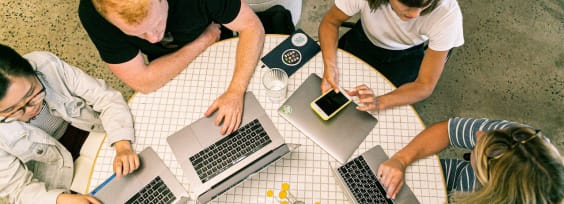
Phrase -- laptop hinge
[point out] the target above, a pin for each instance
(244, 173)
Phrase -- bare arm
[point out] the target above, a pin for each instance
(251, 40)
(148, 78)
(249, 47)
(413, 92)
(328, 40)
(429, 142)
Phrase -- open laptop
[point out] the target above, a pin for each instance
(152, 182)
(358, 180)
(339, 136)
(215, 163)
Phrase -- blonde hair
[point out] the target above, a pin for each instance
(132, 12)
(510, 170)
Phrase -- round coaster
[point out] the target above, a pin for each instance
(299, 39)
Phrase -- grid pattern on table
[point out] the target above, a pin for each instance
(308, 169)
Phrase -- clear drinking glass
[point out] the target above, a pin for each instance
(275, 81)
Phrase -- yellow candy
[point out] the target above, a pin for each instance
(269, 193)
(317, 202)
(284, 202)
(285, 186)
(282, 194)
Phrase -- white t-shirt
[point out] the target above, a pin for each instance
(383, 27)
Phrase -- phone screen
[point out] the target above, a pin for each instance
(331, 102)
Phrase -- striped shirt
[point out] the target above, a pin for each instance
(459, 174)
(52, 125)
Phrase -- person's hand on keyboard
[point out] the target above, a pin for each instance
(391, 175)
(229, 107)
(126, 160)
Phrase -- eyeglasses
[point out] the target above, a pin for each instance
(34, 101)
(520, 137)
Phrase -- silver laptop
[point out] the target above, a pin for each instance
(339, 136)
(358, 180)
(215, 163)
(152, 182)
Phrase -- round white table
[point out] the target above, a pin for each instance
(307, 170)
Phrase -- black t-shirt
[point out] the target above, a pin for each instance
(187, 19)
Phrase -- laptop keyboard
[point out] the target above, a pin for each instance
(362, 182)
(156, 192)
(230, 150)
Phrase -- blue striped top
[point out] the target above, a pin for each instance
(459, 174)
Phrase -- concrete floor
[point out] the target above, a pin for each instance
(511, 66)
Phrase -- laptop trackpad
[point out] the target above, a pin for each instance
(206, 131)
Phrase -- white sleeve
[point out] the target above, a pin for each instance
(17, 183)
(446, 32)
(350, 7)
(114, 112)
(16, 180)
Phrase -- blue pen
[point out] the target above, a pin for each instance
(103, 184)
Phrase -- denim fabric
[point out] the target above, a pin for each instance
(34, 166)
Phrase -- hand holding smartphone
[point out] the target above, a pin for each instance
(330, 103)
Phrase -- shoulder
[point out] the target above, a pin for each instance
(37, 58)
(446, 8)
(222, 11)
(482, 124)
(220, 5)
(351, 2)
(449, 4)
(94, 23)
(86, 10)
(50, 66)
(351, 7)
(11, 133)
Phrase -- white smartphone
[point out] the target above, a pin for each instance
(330, 103)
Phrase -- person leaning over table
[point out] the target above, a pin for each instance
(47, 109)
(509, 162)
(172, 33)
(390, 36)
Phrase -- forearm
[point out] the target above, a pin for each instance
(429, 73)
(248, 51)
(163, 69)
(429, 142)
(328, 40)
(408, 93)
